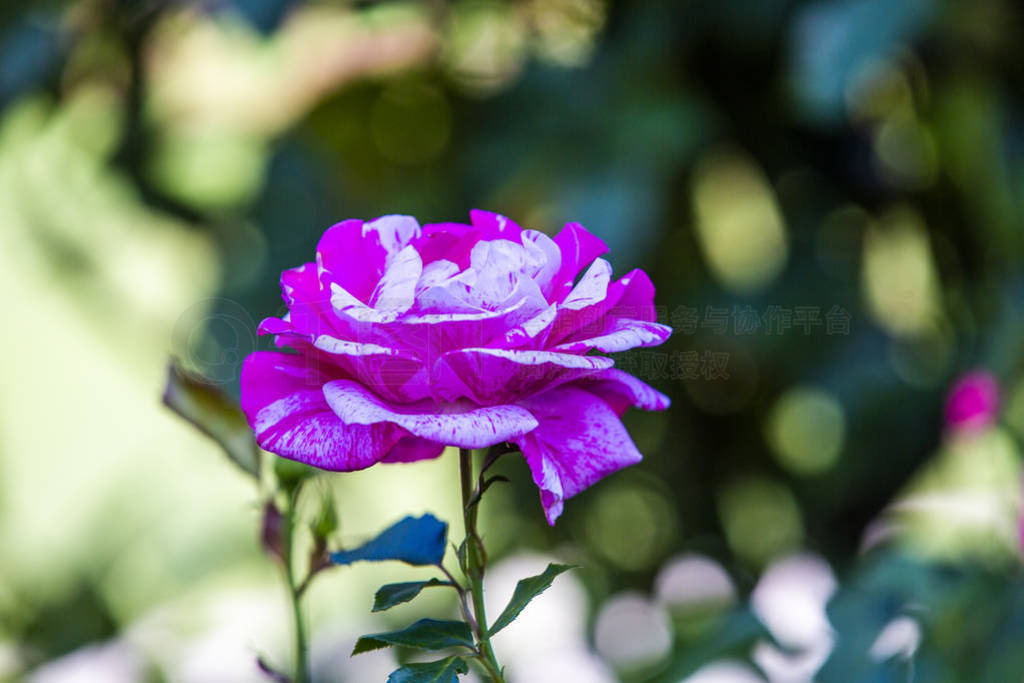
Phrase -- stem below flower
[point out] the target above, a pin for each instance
(295, 596)
(475, 563)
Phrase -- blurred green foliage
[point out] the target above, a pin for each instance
(829, 195)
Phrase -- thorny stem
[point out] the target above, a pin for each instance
(476, 561)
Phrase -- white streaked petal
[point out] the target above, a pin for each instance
(621, 334)
(435, 273)
(458, 424)
(592, 287)
(396, 291)
(394, 232)
(343, 347)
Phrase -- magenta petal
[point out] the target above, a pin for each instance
(579, 440)
(579, 248)
(356, 264)
(344, 347)
(433, 334)
(392, 232)
(412, 449)
(308, 306)
(489, 376)
(396, 290)
(620, 334)
(544, 258)
(354, 254)
(612, 321)
(531, 333)
(395, 374)
(621, 390)
(447, 241)
(284, 403)
(274, 326)
(585, 306)
(354, 314)
(454, 241)
(457, 424)
(592, 289)
(493, 226)
(636, 299)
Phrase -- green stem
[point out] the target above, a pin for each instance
(475, 563)
(295, 596)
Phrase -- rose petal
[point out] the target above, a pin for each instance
(579, 440)
(308, 307)
(633, 294)
(275, 326)
(593, 314)
(395, 374)
(412, 449)
(620, 390)
(578, 248)
(392, 232)
(543, 257)
(284, 403)
(344, 347)
(396, 291)
(434, 273)
(531, 334)
(353, 263)
(497, 279)
(494, 226)
(490, 376)
(434, 334)
(585, 304)
(447, 241)
(620, 334)
(356, 314)
(592, 289)
(501, 278)
(457, 424)
(354, 255)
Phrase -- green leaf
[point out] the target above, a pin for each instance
(396, 593)
(425, 634)
(414, 540)
(213, 413)
(526, 590)
(441, 671)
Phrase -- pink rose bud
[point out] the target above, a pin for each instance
(973, 401)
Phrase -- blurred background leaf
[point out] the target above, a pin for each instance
(214, 414)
